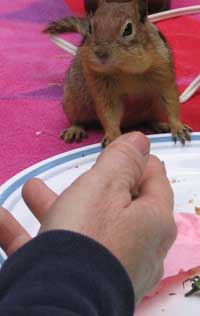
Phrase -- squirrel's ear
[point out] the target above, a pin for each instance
(91, 5)
(143, 11)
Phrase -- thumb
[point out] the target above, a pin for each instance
(124, 160)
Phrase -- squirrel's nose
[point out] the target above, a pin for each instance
(102, 55)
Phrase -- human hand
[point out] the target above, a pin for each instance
(38, 198)
(98, 204)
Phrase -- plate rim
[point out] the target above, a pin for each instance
(12, 184)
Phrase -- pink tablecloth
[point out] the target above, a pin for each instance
(32, 70)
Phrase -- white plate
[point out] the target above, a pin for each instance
(183, 169)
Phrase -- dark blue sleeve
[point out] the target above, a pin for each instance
(63, 273)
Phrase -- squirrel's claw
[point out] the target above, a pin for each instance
(182, 133)
(109, 137)
(72, 134)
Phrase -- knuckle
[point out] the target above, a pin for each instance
(156, 164)
(126, 155)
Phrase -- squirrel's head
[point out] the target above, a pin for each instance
(117, 36)
(92, 5)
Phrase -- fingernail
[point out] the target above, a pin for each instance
(140, 142)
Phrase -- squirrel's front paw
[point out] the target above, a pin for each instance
(75, 133)
(108, 138)
(181, 132)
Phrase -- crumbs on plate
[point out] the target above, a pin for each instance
(172, 294)
(191, 201)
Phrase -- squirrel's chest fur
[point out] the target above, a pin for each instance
(140, 98)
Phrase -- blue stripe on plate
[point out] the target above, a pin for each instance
(166, 139)
(49, 165)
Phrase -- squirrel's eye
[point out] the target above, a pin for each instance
(128, 29)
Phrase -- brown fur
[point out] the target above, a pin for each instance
(109, 69)
(69, 24)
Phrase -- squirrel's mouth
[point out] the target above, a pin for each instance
(101, 63)
(102, 57)
(101, 66)
(102, 60)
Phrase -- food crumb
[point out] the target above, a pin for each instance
(193, 272)
(197, 210)
(54, 84)
(190, 201)
(38, 133)
(172, 294)
(173, 181)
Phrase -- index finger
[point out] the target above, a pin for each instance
(38, 197)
